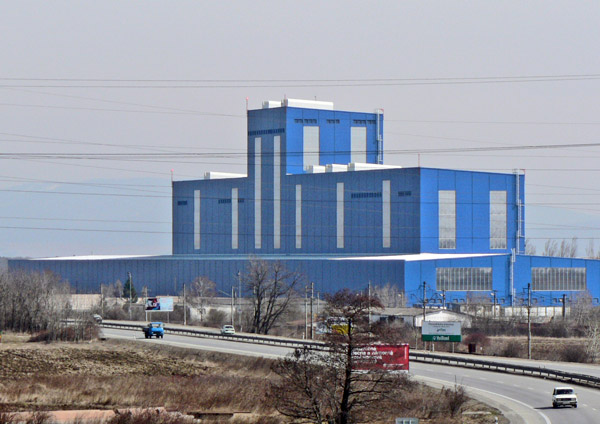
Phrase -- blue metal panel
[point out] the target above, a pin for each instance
(464, 211)
(429, 210)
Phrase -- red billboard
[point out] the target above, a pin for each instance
(381, 357)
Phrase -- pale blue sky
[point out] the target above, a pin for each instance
(274, 41)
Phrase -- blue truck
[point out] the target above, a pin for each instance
(155, 329)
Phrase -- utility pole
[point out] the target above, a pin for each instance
(443, 299)
(305, 310)
(369, 305)
(239, 301)
(145, 294)
(184, 307)
(424, 298)
(130, 290)
(312, 294)
(102, 299)
(529, 321)
(564, 306)
(232, 297)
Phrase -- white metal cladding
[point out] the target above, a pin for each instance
(386, 213)
(498, 219)
(340, 215)
(257, 193)
(196, 219)
(558, 279)
(358, 144)
(463, 279)
(298, 216)
(277, 192)
(447, 219)
(234, 218)
(310, 146)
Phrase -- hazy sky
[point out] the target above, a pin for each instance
(123, 77)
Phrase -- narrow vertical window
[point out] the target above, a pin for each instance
(276, 192)
(196, 219)
(298, 216)
(447, 219)
(257, 193)
(386, 213)
(234, 218)
(498, 219)
(340, 215)
(310, 146)
(358, 144)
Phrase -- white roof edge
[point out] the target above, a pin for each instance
(307, 104)
(356, 166)
(211, 175)
(92, 257)
(417, 257)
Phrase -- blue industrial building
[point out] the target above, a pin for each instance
(318, 198)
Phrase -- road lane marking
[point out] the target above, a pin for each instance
(533, 409)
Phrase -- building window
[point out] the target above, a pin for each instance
(447, 219)
(310, 146)
(358, 144)
(298, 216)
(333, 121)
(463, 279)
(181, 202)
(196, 219)
(366, 195)
(277, 192)
(234, 218)
(340, 215)
(257, 192)
(498, 219)
(558, 279)
(298, 121)
(224, 201)
(359, 121)
(386, 215)
(404, 193)
(310, 121)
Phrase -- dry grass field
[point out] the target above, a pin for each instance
(116, 374)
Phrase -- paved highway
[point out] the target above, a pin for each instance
(525, 400)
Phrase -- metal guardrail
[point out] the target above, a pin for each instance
(243, 338)
(546, 373)
(457, 361)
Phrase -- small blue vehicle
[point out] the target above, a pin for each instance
(155, 329)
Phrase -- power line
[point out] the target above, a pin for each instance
(316, 84)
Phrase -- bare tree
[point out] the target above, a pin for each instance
(389, 295)
(271, 288)
(200, 289)
(323, 386)
(566, 248)
(529, 248)
(550, 248)
(35, 302)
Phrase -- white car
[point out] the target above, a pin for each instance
(564, 396)
(227, 329)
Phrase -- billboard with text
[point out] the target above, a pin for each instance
(164, 304)
(381, 357)
(441, 331)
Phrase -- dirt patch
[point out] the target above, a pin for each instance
(120, 374)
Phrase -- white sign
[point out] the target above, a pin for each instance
(441, 328)
(407, 421)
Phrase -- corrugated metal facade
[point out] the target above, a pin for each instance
(317, 223)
